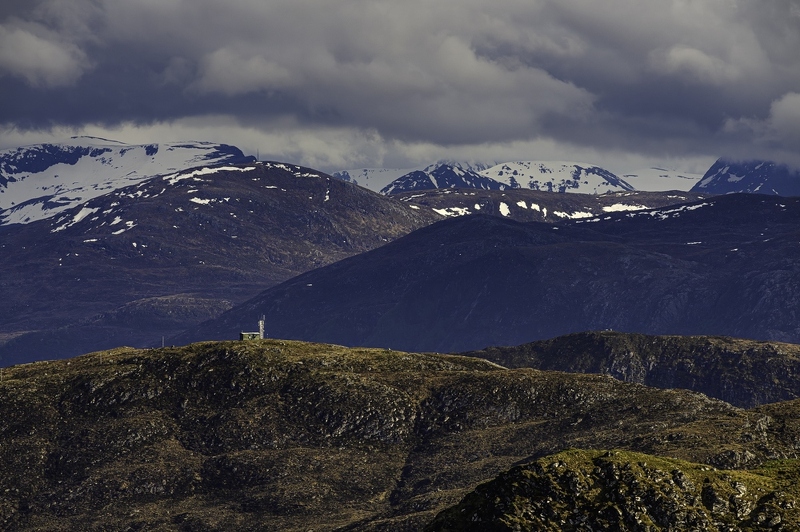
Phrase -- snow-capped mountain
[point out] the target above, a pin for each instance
(655, 179)
(43, 180)
(557, 176)
(441, 174)
(755, 177)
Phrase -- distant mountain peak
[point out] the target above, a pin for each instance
(754, 177)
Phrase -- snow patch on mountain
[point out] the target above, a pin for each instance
(618, 207)
(574, 215)
(665, 214)
(174, 178)
(44, 180)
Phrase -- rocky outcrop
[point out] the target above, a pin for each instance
(597, 490)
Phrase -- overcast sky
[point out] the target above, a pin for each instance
(358, 83)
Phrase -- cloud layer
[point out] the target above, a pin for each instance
(665, 78)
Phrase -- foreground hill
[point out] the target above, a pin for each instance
(155, 258)
(284, 435)
(724, 266)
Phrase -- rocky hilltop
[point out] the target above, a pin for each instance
(287, 435)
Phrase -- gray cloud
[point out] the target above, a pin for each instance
(665, 77)
(38, 59)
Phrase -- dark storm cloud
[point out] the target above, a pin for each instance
(677, 76)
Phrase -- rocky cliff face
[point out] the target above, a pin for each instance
(291, 436)
(745, 373)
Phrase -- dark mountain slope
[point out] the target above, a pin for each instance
(157, 257)
(291, 436)
(728, 266)
(744, 373)
(348, 302)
